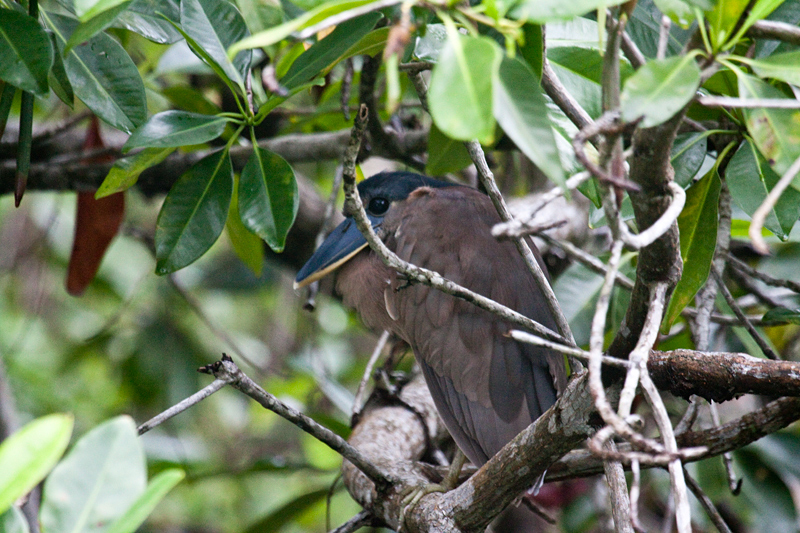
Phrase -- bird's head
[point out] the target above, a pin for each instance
(379, 194)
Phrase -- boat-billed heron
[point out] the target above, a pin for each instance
(486, 386)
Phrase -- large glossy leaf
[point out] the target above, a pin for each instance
(776, 132)
(102, 20)
(247, 245)
(318, 14)
(268, 197)
(125, 172)
(28, 455)
(687, 157)
(784, 67)
(97, 481)
(103, 76)
(460, 95)
(542, 11)
(194, 213)
(660, 89)
(136, 514)
(579, 69)
(176, 128)
(146, 17)
(445, 154)
(750, 179)
(215, 25)
(521, 111)
(26, 52)
(323, 53)
(697, 224)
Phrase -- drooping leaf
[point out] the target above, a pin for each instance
(750, 179)
(268, 197)
(697, 225)
(445, 154)
(125, 172)
(103, 76)
(97, 481)
(521, 111)
(176, 128)
(136, 514)
(215, 25)
(26, 52)
(59, 81)
(28, 455)
(324, 52)
(95, 24)
(147, 18)
(533, 49)
(247, 245)
(776, 132)
(660, 89)
(460, 95)
(543, 11)
(194, 213)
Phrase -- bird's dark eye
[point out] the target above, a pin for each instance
(378, 206)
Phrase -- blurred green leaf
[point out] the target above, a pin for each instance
(325, 52)
(372, 43)
(26, 52)
(268, 197)
(680, 12)
(126, 170)
(542, 11)
(89, 9)
(136, 514)
(445, 154)
(147, 18)
(214, 25)
(521, 110)
(783, 315)
(176, 128)
(97, 23)
(247, 245)
(750, 179)
(722, 20)
(697, 225)
(6, 100)
(98, 480)
(194, 213)
(429, 46)
(460, 95)
(103, 76)
(288, 512)
(260, 14)
(59, 81)
(784, 67)
(28, 455)
(660, 89)
(579, 69)
(533, 49)
(13, 521)
(576, 289)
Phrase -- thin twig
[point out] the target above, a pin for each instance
(741, 266)
(780, 31)
(415, 66)
(563, 98)
(621, 510)
(741, 316)
(663, 36)
(360, 520)
(587, 259)
(733, 102)
(524, 336)
(636, 483)
(760, 216)
(181, 406)
(362, 386)
(707, 504)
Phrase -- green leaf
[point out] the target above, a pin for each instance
(680, 12)
(215, 25)
(6, 100)
(372, 43)
(784, 67)
(176, 128)
(59, 81)
(580, 70)
(521, 110)
(722, 20)
(97, 481)
(688, 155)
(26, 52)
(125, 172)
(288, 512)
(260, 14)
(776, 132)
(325, 52)
(89, 9)
(445, 154)
(533, 49)
(90, 26)
(460, 95)
(146, 17)
(268, 197)
(542, 11)
(429, 46)
(783, 315)
(278, 33)
(136, 514)
(750, 179)
(13, 521)
(28, 455)
(247, 245)
(660, 89)
(194, 213)
(103, 76)
(760, 10)
(697, 225)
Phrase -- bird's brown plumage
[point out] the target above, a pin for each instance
(487, 387)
